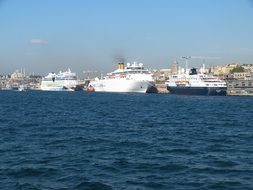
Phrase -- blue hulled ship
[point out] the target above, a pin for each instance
(194, 83)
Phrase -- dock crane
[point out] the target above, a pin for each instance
(203, 58)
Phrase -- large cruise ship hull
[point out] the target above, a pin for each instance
(67, 85)
(204, 91)
(122, 85)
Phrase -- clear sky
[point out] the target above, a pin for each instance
(52, 35)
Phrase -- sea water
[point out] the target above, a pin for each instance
(79, 140)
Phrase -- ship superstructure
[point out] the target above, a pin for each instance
(62, 81)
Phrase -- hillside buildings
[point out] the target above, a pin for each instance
(18, 78)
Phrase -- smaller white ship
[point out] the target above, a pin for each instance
(132, 78)
(62, 81)
(194, 83)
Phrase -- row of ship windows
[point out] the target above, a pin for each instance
(134, 72)
(53, 79)
(215, 85)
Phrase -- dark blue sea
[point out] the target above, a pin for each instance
(104, 141)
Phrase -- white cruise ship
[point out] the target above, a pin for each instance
(194, 83)
(132, 78)
(62, 81)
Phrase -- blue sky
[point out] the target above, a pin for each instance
(52, 35)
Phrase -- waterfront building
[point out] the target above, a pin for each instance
(240, 87)
(174, 68)
(161, 74)
(242, 75)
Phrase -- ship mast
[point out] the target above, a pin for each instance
(186, 62)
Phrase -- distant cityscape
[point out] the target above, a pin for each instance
(239, 78)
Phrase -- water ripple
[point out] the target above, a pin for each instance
(124, 141)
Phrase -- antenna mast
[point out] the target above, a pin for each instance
(186, 62)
